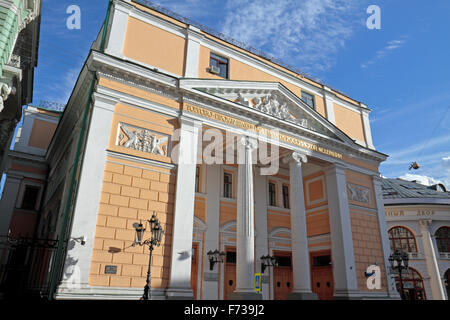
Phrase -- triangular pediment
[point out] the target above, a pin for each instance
(272, 99)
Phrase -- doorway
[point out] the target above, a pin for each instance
(322, 274)
(282, 275)
(194, 269)
(230, 272)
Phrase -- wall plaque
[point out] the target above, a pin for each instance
(110, 269)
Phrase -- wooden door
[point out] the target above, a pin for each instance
(194, 269)
(282, 281)
(322, 275)
(230, 273)
(282, 276)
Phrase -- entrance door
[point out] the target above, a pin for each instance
(282, 276)
(322, 275)
(194, 269)
(230, 273)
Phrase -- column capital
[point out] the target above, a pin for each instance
(377, 178)
(296, 157)
(425, 223)
(336, 168)
(248, 142)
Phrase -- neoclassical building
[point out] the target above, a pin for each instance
(19, 43)
(232, 151)
(418, 220)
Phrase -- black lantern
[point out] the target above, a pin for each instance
(156, 235)
(214, 257)
(268, 261)
(399, 262)
(139, 233)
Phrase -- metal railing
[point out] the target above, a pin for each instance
(25, 264)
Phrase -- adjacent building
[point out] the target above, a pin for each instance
(26, 173)
(232, 151)
(19, 41)
(418, 220)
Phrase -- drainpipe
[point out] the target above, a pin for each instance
(56, 270)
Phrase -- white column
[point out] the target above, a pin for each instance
(366, 125)
(84, 218)
(385, 244)
(245, 249)
(118, 27)
(211, 278)
(343, 260)
(299, 238)
(192, 52)
(8, 201)
(437, 290)
(329, 104)
(261, 229)
(183, 221)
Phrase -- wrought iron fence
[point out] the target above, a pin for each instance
(25, 265)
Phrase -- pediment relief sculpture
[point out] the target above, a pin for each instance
(276, 105)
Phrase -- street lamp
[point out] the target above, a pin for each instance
(156, 235)
(215, 257)
(268, 261)
(399, 261)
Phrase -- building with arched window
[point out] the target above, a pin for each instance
(418, 221)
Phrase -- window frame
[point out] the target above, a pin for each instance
(274, 194)
(392, 240)
(440, 239)
(220, 62)
(228, 185)
(286, 197)
(313, 99)
(198, 179)
(21, 195)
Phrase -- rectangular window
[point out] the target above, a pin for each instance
(197, 179)
(272, 194)
(321, 261)
(230, 257)
(308, 99)
(227, 185)
(286, 197)
(30, 197)
(218, 65)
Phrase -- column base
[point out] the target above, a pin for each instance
(347, 295)
(302, 296)
(244, 296)
(179, 294)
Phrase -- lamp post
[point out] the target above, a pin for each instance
(399, 261)
(215, 257)
(155, 240)
(268, 261)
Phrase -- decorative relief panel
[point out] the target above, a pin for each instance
(358, 193)
(144, 140)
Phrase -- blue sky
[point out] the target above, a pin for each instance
(399, 71)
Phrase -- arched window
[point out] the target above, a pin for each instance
(402, 239)
(412, 283)
(442, 236)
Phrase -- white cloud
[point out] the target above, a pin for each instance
(380, 54)
(307, 34)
